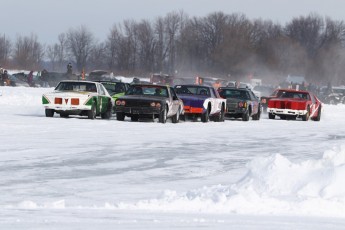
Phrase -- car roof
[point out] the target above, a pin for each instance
(234, 88)
(191, 85)
(79, 81)
(109, 81)
(149, 85)
(293, 90)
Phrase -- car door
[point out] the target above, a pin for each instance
(314, 105)
(103, 99)
(175, 103)
(254, 102)
(216, 104)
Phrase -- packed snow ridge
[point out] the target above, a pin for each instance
(272, 185)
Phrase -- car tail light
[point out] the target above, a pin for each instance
(155, 104)
(75, 101)
(119, 102)
(58, 100)
(242, 104)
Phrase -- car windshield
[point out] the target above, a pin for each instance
(77, 86)
(234, 93)
(149, 90)
(194, 90)
(114, 87)
(297, 95)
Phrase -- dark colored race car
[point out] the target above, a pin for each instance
(149, 101)
(201, 101)
(241, 103)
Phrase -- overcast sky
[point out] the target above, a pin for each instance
(48, 18)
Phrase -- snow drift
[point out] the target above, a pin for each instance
(273, 185)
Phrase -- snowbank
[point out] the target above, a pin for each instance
(272, 185)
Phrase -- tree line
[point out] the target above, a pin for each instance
(218, 45)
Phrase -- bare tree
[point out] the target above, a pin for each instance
(167, 32)
(28, 52)
(161, 48)
(130, 41)
(53, 55)
(5, 50)
(97, 57)
(307, 32)
(146, 45)
(113, 47)
(329, 64)
(62, 49)
(80, 42)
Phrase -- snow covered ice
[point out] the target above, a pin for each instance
(78, 173)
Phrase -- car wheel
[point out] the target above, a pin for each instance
(205, 116)
(220, 115)
(176, 117)
(120, 116)
(271, 116)
(107, 114)
(245, 116)
(49, 112)
(306, 116)
(163, 116)
(256, 116)
(318, 117)
(91, 114)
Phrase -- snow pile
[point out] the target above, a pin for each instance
(272, 185)
(22, 96)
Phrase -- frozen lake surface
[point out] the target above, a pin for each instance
(76, 173)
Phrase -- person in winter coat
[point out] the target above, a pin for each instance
(5, 78)
(31, 79)
(69, 69)
(1, 80)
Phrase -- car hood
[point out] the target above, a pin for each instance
(234, 100)
(143, 98)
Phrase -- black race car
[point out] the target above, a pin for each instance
(149, 101)
(241, 103)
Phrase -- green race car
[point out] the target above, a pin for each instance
(83, 98)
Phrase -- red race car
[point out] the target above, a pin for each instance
(292, 104)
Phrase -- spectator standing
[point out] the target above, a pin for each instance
(5, 78)
(69, 69)
(1, 73)
(31, 79)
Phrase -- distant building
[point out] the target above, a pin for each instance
(295, 79)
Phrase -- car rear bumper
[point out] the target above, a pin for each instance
(137, 110)
(67, 108)
(193, 110)
(290, 112)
